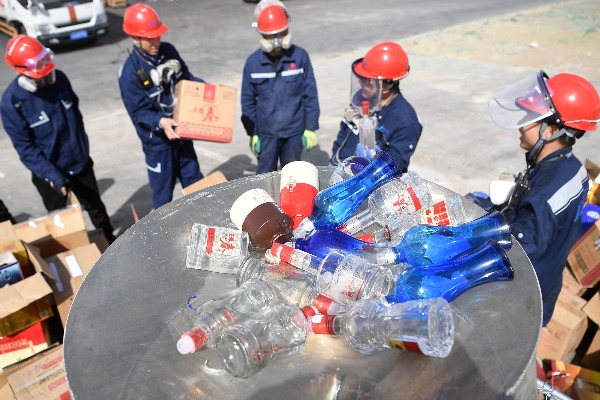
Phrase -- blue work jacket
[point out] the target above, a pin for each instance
(547, 219)
(46, 128)
(279, 98)
(398, 133)
(147, 106)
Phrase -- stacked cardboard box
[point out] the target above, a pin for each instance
(574, 318)
(56, 255)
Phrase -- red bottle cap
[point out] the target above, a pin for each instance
(309, 311)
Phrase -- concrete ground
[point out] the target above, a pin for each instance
(461, 53)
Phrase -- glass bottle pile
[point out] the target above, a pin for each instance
(392, 291)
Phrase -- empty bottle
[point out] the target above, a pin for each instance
(215, 315)
(423, 326)
(366, 131)
(256, 212)
(487, 263)
(295, 285)
(405, 195)
(334, 205)
(446, 212)
(288, 254)
(422, 245)
(344, 278)
(217, 249)
(298, 187)
(347, 169)
(278, 330)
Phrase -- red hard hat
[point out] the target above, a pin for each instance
(385, 60)
(29, 57)
(271, 20)
(142, 21)
(576, 100)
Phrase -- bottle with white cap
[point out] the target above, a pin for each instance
(298, 187)
(256, 212)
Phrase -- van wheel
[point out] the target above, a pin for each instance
(18, 27)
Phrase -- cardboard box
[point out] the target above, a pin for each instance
(9, 241)
(591, 213)
(66, 272)
(571, 284)
(24, 304)
(592, 308)
(23, 344)
(10, 270)
(577, 382)
(212, 179)
(591, 359)
(41, 378)
(55, 232)
(560, 338)
(584, 258)
(204, 111)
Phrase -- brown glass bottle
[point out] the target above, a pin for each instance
(256, 212)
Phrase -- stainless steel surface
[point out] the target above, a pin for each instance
(119, 342)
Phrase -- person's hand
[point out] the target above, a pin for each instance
(367, 153)
(63, 189)
(309, 140)
(168, 125)
(255, 145)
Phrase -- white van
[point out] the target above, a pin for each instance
(54, 22)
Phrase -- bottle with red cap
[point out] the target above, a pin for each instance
(256, 212)
(299, 184)
(246, 348)
(423, 326)
(215, 315)
(366, 132)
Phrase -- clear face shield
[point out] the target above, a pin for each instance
(362, 89)
(523, 103)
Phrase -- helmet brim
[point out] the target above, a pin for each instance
(359, 69)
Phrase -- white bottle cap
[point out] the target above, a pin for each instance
(246, 203)
(299, 172)
(185, 345)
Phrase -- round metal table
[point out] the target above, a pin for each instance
(120, 340)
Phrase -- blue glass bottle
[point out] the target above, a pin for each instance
(487, 263)
(422, 245)
(432, 245)
(334, 205)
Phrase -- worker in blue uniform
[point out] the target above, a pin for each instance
(40, 113)
(545, 208)
(147, 81)
(376, 79)
(280, 106)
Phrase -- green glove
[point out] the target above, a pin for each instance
(309, 140)
(255, 145)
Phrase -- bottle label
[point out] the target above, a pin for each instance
(344, 285)
(309, 311)
(327, 306)
(223, 242)
(436, 215)
(407, 201)
(403, 345)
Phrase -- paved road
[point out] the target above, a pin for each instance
(214, 37)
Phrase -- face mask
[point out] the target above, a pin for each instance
(283, 42)
(32, 85)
